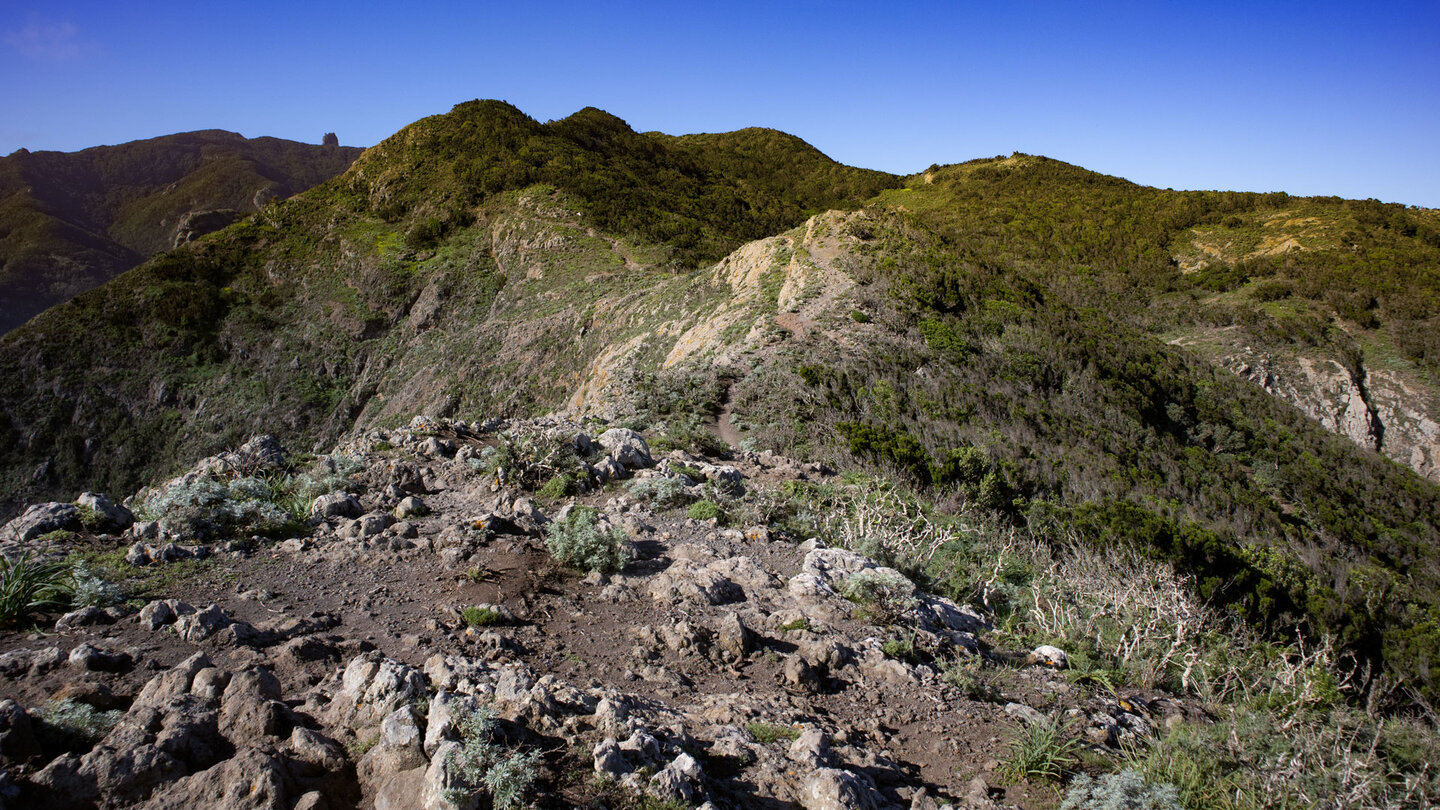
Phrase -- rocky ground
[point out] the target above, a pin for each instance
(339, 667)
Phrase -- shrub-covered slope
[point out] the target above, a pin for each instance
(453, 263)
(1331, 304)
(72, 221)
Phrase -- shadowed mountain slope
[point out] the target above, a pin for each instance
(72, 221)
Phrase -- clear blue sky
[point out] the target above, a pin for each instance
(1309, 98)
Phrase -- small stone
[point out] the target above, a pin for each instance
(1046, 655)
(1022, 712)
(411, 506)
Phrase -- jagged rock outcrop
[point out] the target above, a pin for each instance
(1383, 410)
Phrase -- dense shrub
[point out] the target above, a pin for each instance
(706, 510)
(1126, 790)
(884, 597)
(213, 506)
(580, 541)
(662, 491)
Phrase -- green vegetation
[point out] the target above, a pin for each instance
(706, 510)
(28, 587)
(701, 195)
(1037, 435)
(69, 726)
(222, 506)
(1048, 404)
(557, 487)
(75, 220)
(661, 491)
(482, 616)
(883, 597)
(488, 766)
(766, 733)
(1126, 790)
(1043, 751)
(581, 542)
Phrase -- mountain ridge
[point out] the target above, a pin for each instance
(71, 221)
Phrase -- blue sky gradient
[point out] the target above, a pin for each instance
(1309, 98)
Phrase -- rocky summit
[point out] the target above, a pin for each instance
(556, 464)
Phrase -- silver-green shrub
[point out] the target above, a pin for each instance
(580, 541)
(1126, 790)
(885, 597)
(72, 725)
(214, 506)
(89, 589)
(507, 774)
(663, 492)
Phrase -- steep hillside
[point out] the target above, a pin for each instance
(447, 266)
(72, 221)
(1333, 305)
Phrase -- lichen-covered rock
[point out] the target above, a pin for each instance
(336, 505)
(104, 515)
(835, 789)
(42, 518)
(609, 760)
(680, 781)
(372, 687)
(1048, 656)
(627, 447)
(250, 708)
(685, 581)
(400, 747)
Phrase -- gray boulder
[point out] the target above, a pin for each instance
(627, 447)
(42, 518)
(108, 516)
(336, 505)
(834, 789)
(680, 781)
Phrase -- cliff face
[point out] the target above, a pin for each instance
(1387, 410)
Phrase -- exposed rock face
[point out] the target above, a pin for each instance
(196, 224)
(1382, 410)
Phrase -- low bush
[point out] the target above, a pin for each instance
(690, 434)
(662, 492)
(557, 487)
(883, 597)
(970, 676)
(706, 510)
(90, 589)
(766, 733)
(214, 506)
(1126, 790)
(507, 774)
(1043, 751)
(72, 726)
(482, 616)
(580, 541)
